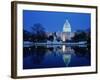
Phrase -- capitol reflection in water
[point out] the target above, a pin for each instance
(53, 56)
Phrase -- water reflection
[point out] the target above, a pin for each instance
(50, 56)
(63, 48)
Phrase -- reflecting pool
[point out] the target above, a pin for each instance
(54, 56)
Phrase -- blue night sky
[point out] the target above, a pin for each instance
(54, 21)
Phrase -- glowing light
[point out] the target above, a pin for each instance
(63, 37)
(63, 48)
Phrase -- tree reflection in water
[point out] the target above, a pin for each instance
(55, 56)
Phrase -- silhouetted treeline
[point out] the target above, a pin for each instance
(82, 35)
(37, 34)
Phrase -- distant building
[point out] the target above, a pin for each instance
(66, 33)
(67, 27)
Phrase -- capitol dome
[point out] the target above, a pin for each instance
(67, 26)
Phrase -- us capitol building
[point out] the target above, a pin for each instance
(66, 33)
